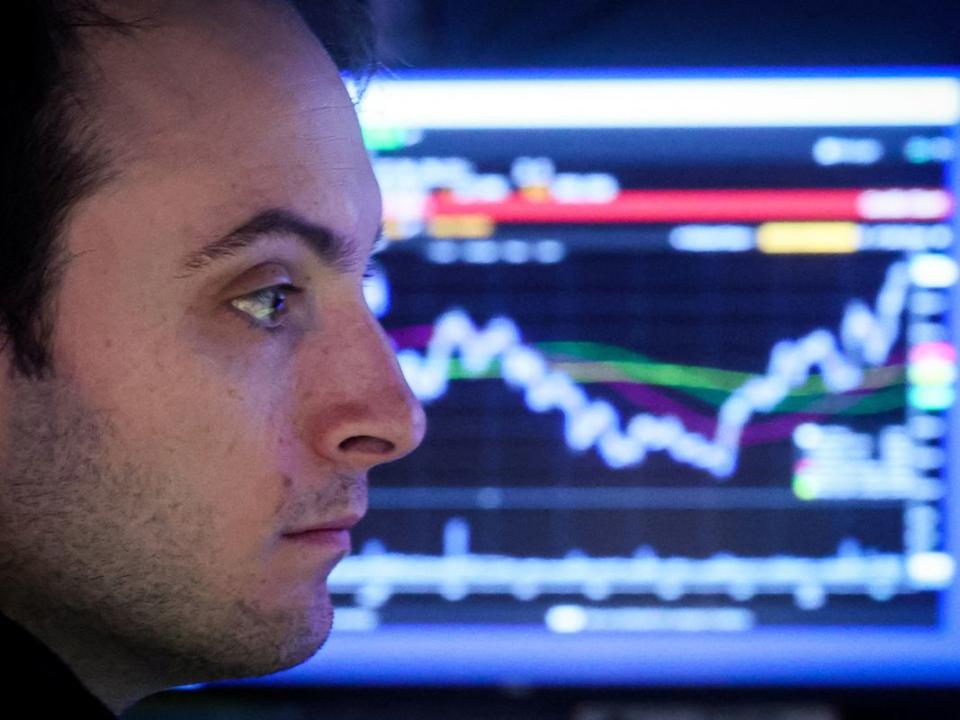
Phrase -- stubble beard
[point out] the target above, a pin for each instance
(100, 552)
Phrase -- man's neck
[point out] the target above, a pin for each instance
(110, 674)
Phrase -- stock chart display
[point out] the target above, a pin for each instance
(688, 366)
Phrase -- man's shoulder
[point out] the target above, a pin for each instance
(35, 679)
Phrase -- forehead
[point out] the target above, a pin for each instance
(222, 108)
(192, 65)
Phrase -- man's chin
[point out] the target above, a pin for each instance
(303, 644)
(284, 639)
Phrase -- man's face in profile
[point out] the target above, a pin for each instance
(207, 403)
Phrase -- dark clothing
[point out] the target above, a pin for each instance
(35, 683)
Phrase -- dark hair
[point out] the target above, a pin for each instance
(51, 157)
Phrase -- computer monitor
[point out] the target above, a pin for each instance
(686, 346)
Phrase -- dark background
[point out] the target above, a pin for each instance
(667, 33)
(662, 34)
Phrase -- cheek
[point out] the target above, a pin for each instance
(217, 440)
(209, 418)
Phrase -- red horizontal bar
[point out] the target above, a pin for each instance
(668, 206)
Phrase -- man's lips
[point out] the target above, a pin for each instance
(334, 534)
(335, 540)
(341, 523)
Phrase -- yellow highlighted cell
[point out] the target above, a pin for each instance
(461, 226)
(392, 230)
(778, 238)
(931, 372)
(536, 193)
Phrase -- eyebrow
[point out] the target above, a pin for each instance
(340, 253)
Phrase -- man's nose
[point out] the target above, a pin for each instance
(360, 410)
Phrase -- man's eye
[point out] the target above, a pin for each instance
(266, 306)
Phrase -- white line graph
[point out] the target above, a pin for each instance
(865, 338)
(376, 574)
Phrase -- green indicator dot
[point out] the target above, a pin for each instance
(917, 150)
(804, 487)
(931, 397)
(385, 139)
